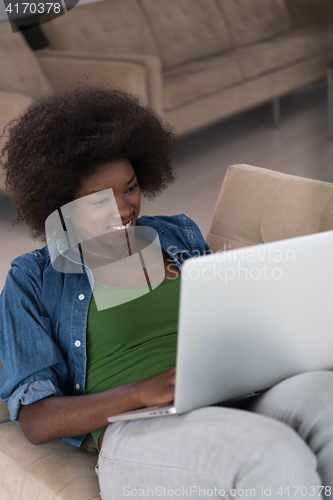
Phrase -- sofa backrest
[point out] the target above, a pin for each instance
(111, 26)
(256, 206)
(177, 31)
(250, 21)
(20, 69)
(186, 30)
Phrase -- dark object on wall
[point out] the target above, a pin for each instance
(34, 36)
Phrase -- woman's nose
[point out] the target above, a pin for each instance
(122, 210)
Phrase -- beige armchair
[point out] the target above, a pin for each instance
(255, 206)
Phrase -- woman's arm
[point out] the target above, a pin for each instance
(56, 417)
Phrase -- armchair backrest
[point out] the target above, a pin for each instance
(257, 205)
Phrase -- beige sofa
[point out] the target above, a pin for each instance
(255, 206)
(22, 76)
(202, 60)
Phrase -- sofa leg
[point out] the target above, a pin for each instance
(276, 112)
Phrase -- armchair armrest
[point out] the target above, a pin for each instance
(138, 74)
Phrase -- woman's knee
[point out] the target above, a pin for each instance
(307, 394)
(315, 384)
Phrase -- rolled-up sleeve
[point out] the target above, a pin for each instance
(29, 393)
(32, 365)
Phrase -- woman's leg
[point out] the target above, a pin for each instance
(211, 452)
(305, 403)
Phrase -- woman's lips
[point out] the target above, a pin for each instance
(122, 227)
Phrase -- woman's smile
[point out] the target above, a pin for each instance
(107, 205)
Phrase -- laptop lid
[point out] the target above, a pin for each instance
(252, 317)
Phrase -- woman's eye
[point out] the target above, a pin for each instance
(132, 188)
(100, 202)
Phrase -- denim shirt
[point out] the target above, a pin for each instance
(43, 319)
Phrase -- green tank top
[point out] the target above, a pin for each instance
(133, 340)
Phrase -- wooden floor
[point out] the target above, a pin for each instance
(300, 147)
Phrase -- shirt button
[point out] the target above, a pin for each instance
(77, 386)
(81, 296)
(77, 343)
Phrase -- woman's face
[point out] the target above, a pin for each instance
(108, 203)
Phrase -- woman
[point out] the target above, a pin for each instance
(76, 165)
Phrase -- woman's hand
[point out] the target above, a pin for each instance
(156, 390)
(63, 416)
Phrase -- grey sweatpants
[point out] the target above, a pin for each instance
(218, 452)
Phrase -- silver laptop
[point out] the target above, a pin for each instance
(250, 318)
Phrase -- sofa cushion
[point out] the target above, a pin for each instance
(52, 471)
(186, 30)
(197, 79)
(286, 49)
(20, 69)
(253, 20)
(111, 26)
(4, 412)
(239, 97)
(210, 75)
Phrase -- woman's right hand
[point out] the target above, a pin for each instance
(156, 390)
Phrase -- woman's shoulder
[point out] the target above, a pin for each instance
(28, 269)
(34, 261)
(179, 230)
(164, 222)
(25, 278)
